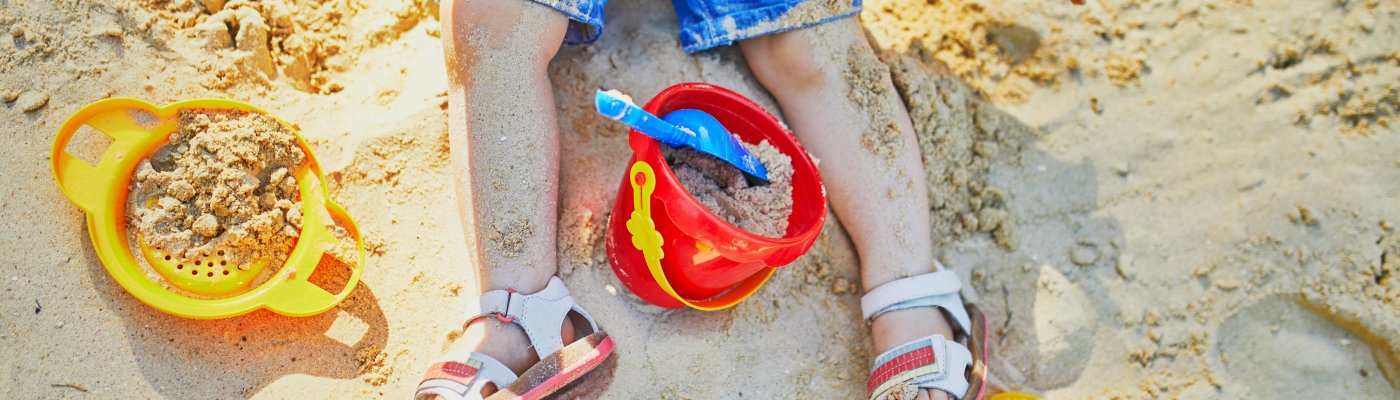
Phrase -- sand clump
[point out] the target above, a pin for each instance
(1122, 70)
(371, 361)
(509, 238)
(31, 101)
(960, 137)
(306, 43)
(903, 392)
(869, 88)
(988, 47)
(223, 183)
(723, 190)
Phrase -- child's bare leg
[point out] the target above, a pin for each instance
(882, 204)
(505, 153)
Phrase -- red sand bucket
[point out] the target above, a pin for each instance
(669, 249)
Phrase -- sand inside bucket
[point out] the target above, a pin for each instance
(223, 183)
(722, 189)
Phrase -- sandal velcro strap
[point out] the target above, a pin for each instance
(932, 362)
(495, 302)
(540, 314)
(940, 289)
(453, 370)
(462, 376)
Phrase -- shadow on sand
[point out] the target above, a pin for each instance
(237, 357)
(1038, 273)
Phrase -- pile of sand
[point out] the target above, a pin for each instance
(223, 183)
(722, 188)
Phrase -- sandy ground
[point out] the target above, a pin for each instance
(1151, 198)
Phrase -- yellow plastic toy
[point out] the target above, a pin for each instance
(1014, 396)
(138, 129)
(646, 238)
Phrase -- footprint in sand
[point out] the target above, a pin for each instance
(1064, 321)
(1278, 348)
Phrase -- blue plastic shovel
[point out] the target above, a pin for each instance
(684, 128)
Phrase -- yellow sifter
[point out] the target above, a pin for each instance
(137, 129)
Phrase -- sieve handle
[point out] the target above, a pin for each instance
(298, 296)
(87, 185)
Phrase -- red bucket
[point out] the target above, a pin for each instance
(673, 252)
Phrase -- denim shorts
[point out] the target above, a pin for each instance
(705, 24)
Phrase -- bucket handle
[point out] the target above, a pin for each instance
(646, 238)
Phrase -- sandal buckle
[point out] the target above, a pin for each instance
(505, 316)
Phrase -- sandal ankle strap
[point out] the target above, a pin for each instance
(940, 289)
(540, 314)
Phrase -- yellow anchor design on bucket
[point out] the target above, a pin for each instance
(646, 238)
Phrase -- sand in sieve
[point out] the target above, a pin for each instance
(722, 189)
(224, 182)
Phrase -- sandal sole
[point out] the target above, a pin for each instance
(977, 344)
(560, 369)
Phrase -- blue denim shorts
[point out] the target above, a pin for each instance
(705, 24)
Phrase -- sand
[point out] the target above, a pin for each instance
(222, 184)
(723, 189)
(869, 83)
(1181, 190)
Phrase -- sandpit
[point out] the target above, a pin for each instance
(1205, 182)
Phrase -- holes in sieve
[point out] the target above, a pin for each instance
(198, 262)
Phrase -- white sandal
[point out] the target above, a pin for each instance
(931, 362)
(462, 375)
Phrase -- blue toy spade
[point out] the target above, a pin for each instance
(690, 128)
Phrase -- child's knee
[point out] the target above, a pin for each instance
(784, 63)
(518, 26)
(800, 61)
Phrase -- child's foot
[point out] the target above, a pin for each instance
(505, 342)
(928, 340)
(895, 328)
(529, 345)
